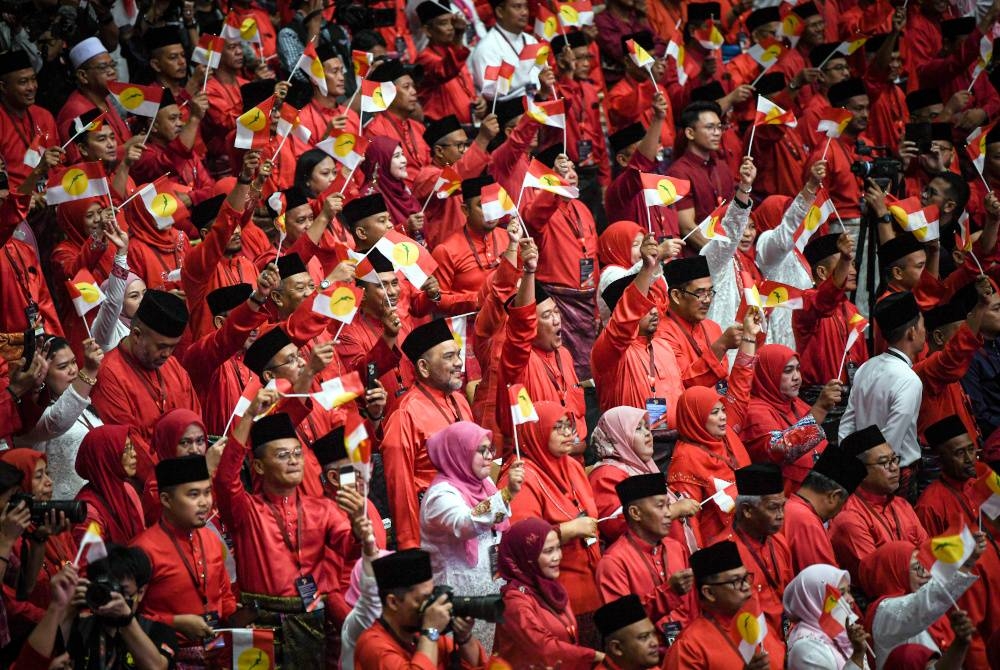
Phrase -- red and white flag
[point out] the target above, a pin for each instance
(850, 46)
(346, 148)
(963, 236)
(546, 23)
(496, 202)
(535, 55)
(362, 63)
(975, 146)
(76, 182)
(208, 52)
(377, 96)
(724, 496)
(912, 216)
(498, 79)
(749, 629)
(767, 52)
(546, 179)
(448, 184)
(552, 113)
(358, 444)
(833, 121)
(639, 55)
(340, 303)
(791, 28)
(339, 390)
(239, 648)
(776, 294)
(660, 190)
(310, 63)
(856, 326)
(253, 127)
(711, 227)
(80, 126)
(244, 29)
(821, 210)
(522, 410)
(769, 114)
(676, 51)
(709, 36)
(289, 122)
(459, 326)
(136, 99)
(85, 292)
(410, 258)
(576, 14)
(162, 203)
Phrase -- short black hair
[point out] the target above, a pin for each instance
(122, 563)
(399, 592)
(899, 332)
(820, 483)
(958, 188)
(693, 112)
(364, 40)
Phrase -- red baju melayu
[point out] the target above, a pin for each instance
(624, 200)
(447, 86)
(76, 104)
(889, 115)
(510, 161)
(444, 216)
(409, 134)
(18, 131)
(487, 343)
(583, 100)
(227, 384)
(806, 535)
(225, 103)
(780, 156)
(692, 345)
(632, 565)
(422, 412)
(360, 342)
(770, 562)
(630, 101)
(467, 259)
(844, 187)
(821, 333)
(866, 522)
(941, 373)
(206, 355)
(380, 649)
(708, 643)
(21, 282)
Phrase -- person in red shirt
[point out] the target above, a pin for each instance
(224, 105)
(761, 24)
(794, 63)
(22, 122)
(447, 87)
(324, 111)
(832, 480)
(189, 588)
(630, 638)
(398, 122)
(756, 530)
(167, 59)
(724, 586)
(631, 99)
(645, 561)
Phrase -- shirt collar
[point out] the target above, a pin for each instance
(906, 358)
(509, 35)
(873, 498)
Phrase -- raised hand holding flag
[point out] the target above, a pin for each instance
(642, 59)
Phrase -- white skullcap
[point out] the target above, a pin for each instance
(86, 50)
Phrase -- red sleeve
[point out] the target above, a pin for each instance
(817, 304)
(522, 323)
(621, 330)
(398, 456)
(232, 499)
(214, 349)
(851, 541)
(200, 261)
(950, 364)
(522, 628)
(499, 287)
(376, 651)
(738, 396)
(703, 370)
(438, 69)
(540, 211)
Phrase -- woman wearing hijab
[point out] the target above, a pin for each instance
(315, 173)
(156, 255)
(556, 489)
(179, 432)
(810, 645)
(384, 171)
(779, 426)
(463, 515)
(908, 606)
(107, 461)
(709, 451)
(617, 253)
(539, 629)
(50, 546)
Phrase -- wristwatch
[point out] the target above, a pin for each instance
(431, 634)
(885, 218)
(325, 284)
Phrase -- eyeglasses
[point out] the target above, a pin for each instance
(291, 359)
(192, 441)
(886, 463)
(287, 454)
(486, 451)
(738, 583)
(565, 427)
(103, 67)
(701, 294)
(713, 127)
(457, 145)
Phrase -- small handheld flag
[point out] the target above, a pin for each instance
(540, 177)
(359, 446)
(546, 23)
(208, 52)
(91, 545)
(709, 36)
(912, 216)
(496, 202)
(253, 127)
(162, 203)
(856, 325)
(724, 496)
(346, 148)
(551, 113)
(988, 489)
(662, 191)
(776, 294)
(243, 29)
(339, 390)
(85, 293)
(767, 52)
(377, 96)
(341, 303)
(522, 411)
(535, 55)
(411, 258)
(821, 210)
(711, 227)
(951, 552)
(749, 629)
(310, 63)
(136, 99)
(76, 182)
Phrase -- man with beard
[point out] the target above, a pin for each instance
(100, 143)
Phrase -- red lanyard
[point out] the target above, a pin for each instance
(687, 334)
(771, 579)
(492, 259)
(558, 382)
(895, 534)
(649, 562)
(200, 586)
(295, 550)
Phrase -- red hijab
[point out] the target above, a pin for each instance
(710, 456)
(520, 548)
(170, 428)
(142, 227)
(99, 461)
(60, 547)
(885, 573)
(614, 246)
(769, 408)
(69, 217)
(376, 171)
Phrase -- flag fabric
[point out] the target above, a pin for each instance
(546, 24)
(988, 489)
(833, 121)
(346, 148)
(535, 55)
(850, 46)
(856, 325)
(76, 182)
(569, 15)
(459, 326)
(251, 648)
(92, 545)
(496, 202)
(33, 154)
(767, 52)
(80, 126)
(914, 217)
(364, 270)
(660, 190)
(769, 114)
(546, 179)
(362, 63)
(791, 28)
(339, 390)
(821, 210)
(243, 29)
(162, 203)
(358, 444)
(963, 237)
(448, 184)
(377, 96)
(310, 63)
(253, 127)
(498, 79)
(985, 56)
(709, 36)
(749, 629)
(951, 552)
(711, 227)
(551, 113)
(975, 146)
(410, 258)
(522, 410)
(341, 303)
(834, 619)
(208, 52)
(776, 294)
(639, 56)
(289, 122)
(136, 99)
(680, 58)
(84, 291)
(725, 495)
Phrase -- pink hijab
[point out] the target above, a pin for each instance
(612, 439)
(398, 198)
(451, 451)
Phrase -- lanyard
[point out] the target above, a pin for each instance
(202, 586)
(400, 383)
(687, 334)
(725, 635)
(283, 527)
(575, 222)
(895, 534)
(649, 562)
(159, 399)
(653, 372)
(492, 260)
(896, 354)
(20, 271)
(771, 579)
(454, 405)
(558, 382)
(517, 52)
(405, 135)
(15, 123)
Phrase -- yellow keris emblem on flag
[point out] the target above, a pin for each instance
(131, 98)
(248, 28)
(164, 204)
(343, 301)
(255, 119)
(405, 253)
(75, 181)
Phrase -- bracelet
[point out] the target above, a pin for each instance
(241, 180)
(254, 300)
(85, 378)
(749, 340)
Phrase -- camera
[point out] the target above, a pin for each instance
(75, 510)
(100, 589)
(882, 170)
(485, 608)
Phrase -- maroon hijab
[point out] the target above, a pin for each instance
(398, 198)
(520, 548)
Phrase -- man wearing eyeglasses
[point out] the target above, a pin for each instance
(873, 515)
(94, 69)
(724, 587)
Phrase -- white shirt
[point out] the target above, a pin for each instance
(811, 653)
(719, 255)
(498, 46)
(887, 394)
(366, 611)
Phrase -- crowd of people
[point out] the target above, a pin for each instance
(501, 334)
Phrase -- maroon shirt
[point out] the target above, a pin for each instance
(710, 180)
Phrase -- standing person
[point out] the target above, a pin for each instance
(539, 625)
(630, 639)
(399, 121)
(447, 86)
(504, 43)
(189, 588)
(463, 515)
(22, 122)
(107, 460)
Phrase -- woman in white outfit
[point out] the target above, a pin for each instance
(463, 514)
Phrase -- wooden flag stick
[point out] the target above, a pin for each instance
(826, 148)
(649, 69)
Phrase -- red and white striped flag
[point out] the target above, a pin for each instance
(496, 202)
(76, 182)
(346, 148)
(244, 29)
(136, 99)
(310, 63)
(85, 292)
(253, 127)
(448, 184)
(769, 114)
(660, 190)
(208, 52)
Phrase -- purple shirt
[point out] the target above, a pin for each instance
(711, 180)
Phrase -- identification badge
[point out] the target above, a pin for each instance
(657, 410)
(722, 387)
(786, 625)
(852, 367)
(586, 273)
(495, 561)
(584, 152)
(671, 631)
(306, 587)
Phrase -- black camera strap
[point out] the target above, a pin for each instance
(202, 586)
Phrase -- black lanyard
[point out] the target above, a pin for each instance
(295, 550)
(202, 586)
(687, 334)
(898, 533)
(454, 405)
(653, 372)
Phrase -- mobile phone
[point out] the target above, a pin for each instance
(919, 134)
(29, 348)
(348, 476)
(372, 376)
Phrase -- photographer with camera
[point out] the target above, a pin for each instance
(104, 630)
(14, 520)
(416, 618)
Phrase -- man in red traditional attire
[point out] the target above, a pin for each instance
(874, 515)
(645, 561)
(285, 542)
(410, 632)
(282, 174)
(141, 380)
(826, 488)
(630, 639)
(951, 502)
(756, 531)
(434, 401)
(889, 115)
(794, 63)
(833, 64)
(189, 588)
(447, 88)
(94, 69)
(631, 99)
(22, 122)
(724, 586)
(397, 121)
(224, 105)
(324, 112)
(761, 24)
